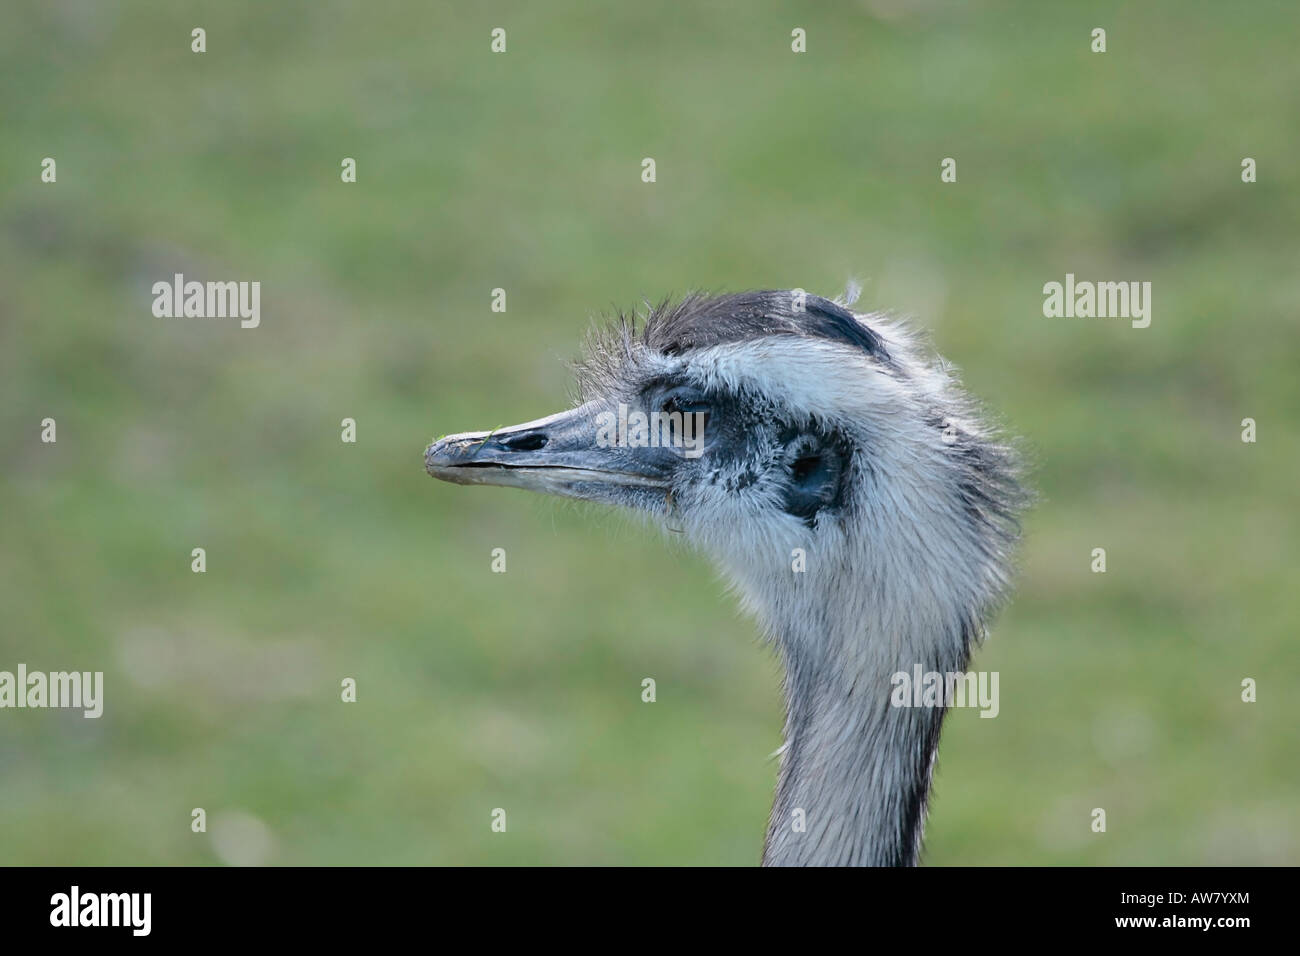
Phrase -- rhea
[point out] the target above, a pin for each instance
(861, 504)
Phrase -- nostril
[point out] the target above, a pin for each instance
(532, 441)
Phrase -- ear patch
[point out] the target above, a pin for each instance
(815, 479)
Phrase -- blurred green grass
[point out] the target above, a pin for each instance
(479, 690)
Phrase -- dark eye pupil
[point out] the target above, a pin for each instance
(804, 467)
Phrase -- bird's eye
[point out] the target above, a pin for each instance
(805, 468)
(683, 405)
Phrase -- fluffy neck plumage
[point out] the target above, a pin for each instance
(858, 769)
(855, 771)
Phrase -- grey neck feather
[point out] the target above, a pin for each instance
(858, 768)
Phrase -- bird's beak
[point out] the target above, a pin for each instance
(560, 455)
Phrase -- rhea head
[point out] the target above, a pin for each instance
(845, 484)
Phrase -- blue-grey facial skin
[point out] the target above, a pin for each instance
(739, 452)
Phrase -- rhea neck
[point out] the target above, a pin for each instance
(855, 771)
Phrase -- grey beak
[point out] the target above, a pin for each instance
(559, 455)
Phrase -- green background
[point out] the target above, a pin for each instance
(522, 171)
